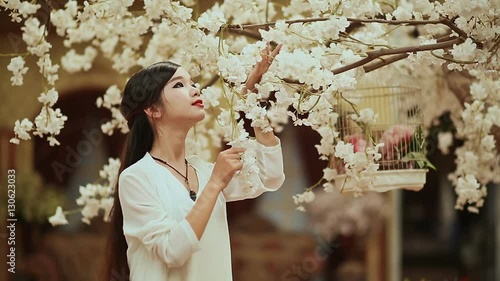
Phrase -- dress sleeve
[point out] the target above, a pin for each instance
(145, 220)
(270, 162)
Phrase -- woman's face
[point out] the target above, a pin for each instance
(181, 100)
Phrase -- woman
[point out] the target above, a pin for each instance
(169, 217)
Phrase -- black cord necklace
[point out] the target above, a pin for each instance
(192, 194)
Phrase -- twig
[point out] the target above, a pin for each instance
(394, 22)
(445, 38)
(211, 82)
(246, 33)
(455, 28)
(267, 24)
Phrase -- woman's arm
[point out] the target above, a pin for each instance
(226, 165)
(269, 154)
(268, 138)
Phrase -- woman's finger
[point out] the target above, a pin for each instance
(276, 51)
(236, 150)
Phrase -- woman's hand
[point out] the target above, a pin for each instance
(227, 164)
(262, 66)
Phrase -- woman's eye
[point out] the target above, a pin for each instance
(178, 85)
(194, 85)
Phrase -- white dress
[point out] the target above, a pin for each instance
(162, 246)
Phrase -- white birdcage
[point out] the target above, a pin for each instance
(398, 125)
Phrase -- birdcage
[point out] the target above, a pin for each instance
(398, 125)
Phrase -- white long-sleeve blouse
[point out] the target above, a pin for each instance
(162, 246)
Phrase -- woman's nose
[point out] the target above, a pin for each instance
(196, 91)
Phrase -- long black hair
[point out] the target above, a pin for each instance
(143, 90)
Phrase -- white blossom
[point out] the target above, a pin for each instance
(33, 32)
(445, 140)
(111, 98)
(211, 96)
(72, 62)
(63, 19)
(21, 130)
(49, 98)
(403, 13)
(232, 69)
(329, 173)
(212, 20)
(464, 51)
(47, 69)
(366, 116)
(494, 115)
(16, 66)
(58, 218)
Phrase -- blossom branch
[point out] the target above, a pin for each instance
(384, 62)
(353, 20)
(396, 55)
(401, 53)
(403, 50)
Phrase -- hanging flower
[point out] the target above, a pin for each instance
(58, 218)
(16, 66)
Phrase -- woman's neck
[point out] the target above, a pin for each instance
(170, 146)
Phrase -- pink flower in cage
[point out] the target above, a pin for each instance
(396, 140)
(357, 141)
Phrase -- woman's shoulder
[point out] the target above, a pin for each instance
(143, 167)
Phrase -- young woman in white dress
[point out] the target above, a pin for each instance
(169, 217)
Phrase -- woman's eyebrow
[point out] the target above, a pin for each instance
(179, 78)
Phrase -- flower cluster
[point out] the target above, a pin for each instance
(94, 197)
(16, 66)
(359, 166)
(477, 160)
(48, 122)
(304, 198)
(111, 100)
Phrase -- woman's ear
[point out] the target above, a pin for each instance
(153, 111)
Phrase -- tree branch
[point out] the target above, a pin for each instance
(403, 50)
(353, 65)
(396, 55)
(268, 24)
(246, 33)
(414, 49)
(384, 62)
(391, 22)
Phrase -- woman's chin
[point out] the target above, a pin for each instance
(200, 117)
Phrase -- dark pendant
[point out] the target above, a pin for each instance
(192, 194)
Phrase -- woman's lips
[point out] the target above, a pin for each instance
(198, 103)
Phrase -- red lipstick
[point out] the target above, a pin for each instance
(198, 102)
